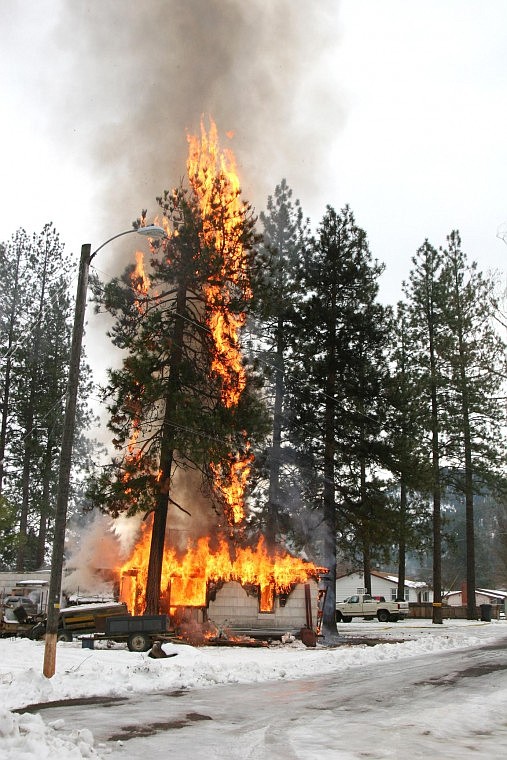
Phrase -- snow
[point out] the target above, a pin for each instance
(117, 672)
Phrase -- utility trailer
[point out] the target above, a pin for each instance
(81, 619)
(139, 632)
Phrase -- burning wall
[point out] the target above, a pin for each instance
(234, 608)
(194, 578)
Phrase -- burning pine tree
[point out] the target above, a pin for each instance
(182, 400)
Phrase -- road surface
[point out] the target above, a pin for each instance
(444, 705)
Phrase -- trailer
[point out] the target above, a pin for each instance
(139, 632)
(80, 620)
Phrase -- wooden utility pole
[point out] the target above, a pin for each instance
(62, 498)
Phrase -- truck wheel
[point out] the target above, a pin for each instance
(64, 636)
(139, 642)
(338, 616)
(383, 616)
(347, 619)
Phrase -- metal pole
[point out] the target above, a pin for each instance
(62, 499)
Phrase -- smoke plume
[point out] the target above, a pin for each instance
(142, 74)
(137, 77)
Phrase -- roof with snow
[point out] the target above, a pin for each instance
(392, 579)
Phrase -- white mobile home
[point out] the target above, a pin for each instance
(382, 584)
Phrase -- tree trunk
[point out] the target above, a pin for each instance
(276, 448)
(158, 530)
(467, 446)
(437, 517)
(29, 437)
(329, 612)
(402, 540)
(366, 528)
(44, 507)
(8, 369)
(367, 566)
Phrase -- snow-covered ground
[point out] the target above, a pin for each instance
(118, 672)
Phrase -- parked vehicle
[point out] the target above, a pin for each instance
(81, 619)
(138, 631)
(108, 622)
(20, 601)
(365, 606)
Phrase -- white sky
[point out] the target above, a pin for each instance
(453, 721)
(407, 111)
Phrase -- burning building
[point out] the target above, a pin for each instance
(247, 589)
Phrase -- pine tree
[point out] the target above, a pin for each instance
(35, 336)
(405, 432)
(276, 289)
(13, 271)
(170, 402)
(424, 297)
(476, 360)
(337, 370)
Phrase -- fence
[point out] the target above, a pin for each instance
(425, 610)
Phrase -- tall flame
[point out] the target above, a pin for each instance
(213, 175)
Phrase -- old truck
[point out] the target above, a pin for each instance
(81, 619)
(365, 606)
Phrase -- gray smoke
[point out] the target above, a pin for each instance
(140, 75)
(136, 78)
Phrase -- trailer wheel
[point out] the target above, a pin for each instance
(64, 636)
(139, 642)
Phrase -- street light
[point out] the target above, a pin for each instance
(69, 420)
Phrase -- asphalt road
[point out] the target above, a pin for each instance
(404, 709)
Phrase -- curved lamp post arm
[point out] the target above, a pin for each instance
(65, 464)
(151, 230)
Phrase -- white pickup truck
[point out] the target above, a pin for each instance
(366, 606)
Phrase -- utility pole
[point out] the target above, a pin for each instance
(62, 498)
(69, 424)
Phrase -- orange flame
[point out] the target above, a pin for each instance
(140, 280)
(213, 175)
(185, 579)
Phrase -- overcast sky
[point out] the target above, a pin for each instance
(398, 108)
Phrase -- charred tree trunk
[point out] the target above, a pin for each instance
(166, 460)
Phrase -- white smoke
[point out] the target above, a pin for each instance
(93, 555)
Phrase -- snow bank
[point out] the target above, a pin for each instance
(117, 672)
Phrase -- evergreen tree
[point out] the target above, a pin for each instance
(170, 404)
(8, 537)
(14, 271)
(35, 337)
(475, 356)
(408, 457)
(425, 312)
(276, 289)
(337, 371)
